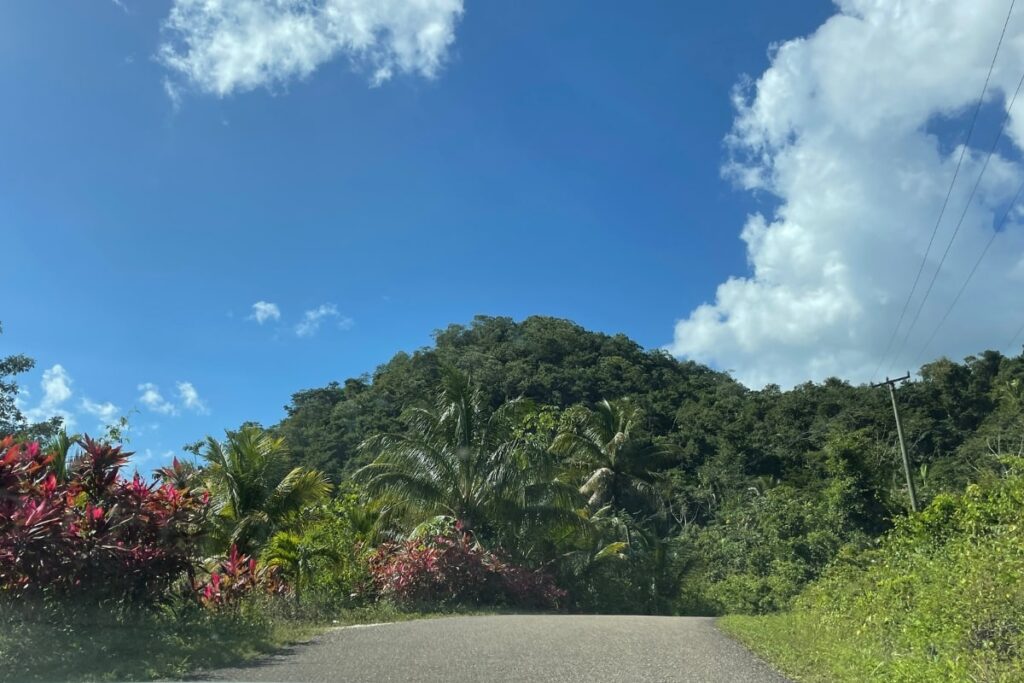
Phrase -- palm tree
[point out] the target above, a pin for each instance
(60, 447)
(460, 460)
(254, 493)
(611, 460)
(606, 540)
(293, 558)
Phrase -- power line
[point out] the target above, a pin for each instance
(956, 230)
(991, 239)
(949, 192)
(1015, 336)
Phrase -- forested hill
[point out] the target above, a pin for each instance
(727, 435)
(754, 492)
(554, 362)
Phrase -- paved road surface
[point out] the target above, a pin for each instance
(558, 648)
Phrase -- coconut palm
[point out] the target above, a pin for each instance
(606, 540)
(460, 460)
(253, 491)
(611, 461)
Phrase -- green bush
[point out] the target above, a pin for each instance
(766, 546)
(941, 598)
(326, 561)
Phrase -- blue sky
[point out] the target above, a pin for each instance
(561, 159)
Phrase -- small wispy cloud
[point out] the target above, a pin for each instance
(154, 400)
(173, 94)
(190, 398)
(106, 412)
(262, 311)
(312, 319)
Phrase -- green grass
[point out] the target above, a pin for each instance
(65, 644)
(940, 599)
(800, 646)
(794, 643)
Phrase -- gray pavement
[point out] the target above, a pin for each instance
(560, 648)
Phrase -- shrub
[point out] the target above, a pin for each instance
(234, 578)
(325, 558)
(941, 598)
(95, 534)
(451, 568)
(766, 546)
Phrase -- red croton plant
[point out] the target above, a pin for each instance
(94, 533)
(453, 568)
(236, 576)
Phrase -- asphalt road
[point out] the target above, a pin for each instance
(516, 648)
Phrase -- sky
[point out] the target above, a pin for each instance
(208, 206)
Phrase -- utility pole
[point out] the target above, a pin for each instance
(891, 383)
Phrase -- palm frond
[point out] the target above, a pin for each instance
(298, 489)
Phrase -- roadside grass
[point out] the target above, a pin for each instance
(62, 643)
(795, 644)
(941, 598)
(806, 650)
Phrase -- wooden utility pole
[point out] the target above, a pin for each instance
(891, 383)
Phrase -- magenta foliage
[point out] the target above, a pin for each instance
(452, 568)
(236, 576)
(95, 534)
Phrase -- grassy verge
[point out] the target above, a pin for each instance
(64, 644)
(941, 598)
(795, 644)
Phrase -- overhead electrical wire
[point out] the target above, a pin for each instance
(949, 192)
(991, 239)
(959, 223)
(1016, 334)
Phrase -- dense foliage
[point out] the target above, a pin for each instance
(941, 598)
(93, 535)
(538, 465)
(725, 498)
(447, 566)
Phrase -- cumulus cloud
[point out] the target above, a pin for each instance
(854, 132)
(224, 47)
(106, 412)
(154, 400)
(56, 386)
(190, 398)
(262, 311)
(312, 319)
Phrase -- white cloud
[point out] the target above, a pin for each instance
(263, 311)
(173, 92)
(106, 412)
(148, 455)
(223, 47)
(312, 319)
(190, 398)
(56, 386)
(840, 129)
(154, 400)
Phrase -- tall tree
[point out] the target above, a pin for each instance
(612, 458)
(254, 492)
(460, 459)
